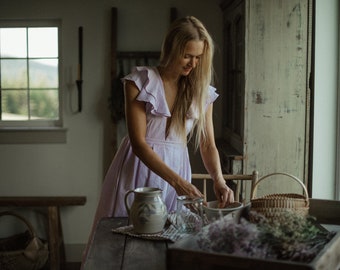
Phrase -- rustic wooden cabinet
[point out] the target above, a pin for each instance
(266, 94)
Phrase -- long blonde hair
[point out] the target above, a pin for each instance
(194, 87)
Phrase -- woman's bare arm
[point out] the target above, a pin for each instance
(211, 160)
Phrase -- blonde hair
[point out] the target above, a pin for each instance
(194, 87)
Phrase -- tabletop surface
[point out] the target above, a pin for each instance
(117, 251)
(111, 250)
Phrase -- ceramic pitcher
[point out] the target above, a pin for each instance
(148, 212)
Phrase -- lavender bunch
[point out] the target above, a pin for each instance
(293, 238)
(225, 236)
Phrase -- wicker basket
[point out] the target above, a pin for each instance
(274, 205)
(24, 251)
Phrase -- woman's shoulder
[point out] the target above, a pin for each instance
(142, 75)
(149, 83)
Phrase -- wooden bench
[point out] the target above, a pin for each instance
(55, 235)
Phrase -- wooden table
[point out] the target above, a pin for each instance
(55, 235)
(117, 251)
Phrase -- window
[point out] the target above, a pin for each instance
(29, 75)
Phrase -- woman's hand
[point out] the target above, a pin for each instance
(183, 187)
(224, 194)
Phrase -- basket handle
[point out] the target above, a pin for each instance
(27, 223)
(280, 173)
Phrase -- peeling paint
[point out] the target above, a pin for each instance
(258, 97)
(295, 10)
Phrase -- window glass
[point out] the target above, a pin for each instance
(44, 104)
(43, 42)
(13, 73)
(43, 73)
(13, 42)
(14, 105)
(29, 81)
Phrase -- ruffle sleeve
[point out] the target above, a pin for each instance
(151, 90)
(212, 96)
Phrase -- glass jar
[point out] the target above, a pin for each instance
(189, 214)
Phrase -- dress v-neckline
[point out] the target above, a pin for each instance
(164, 94)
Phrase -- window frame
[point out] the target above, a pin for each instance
(36, 131)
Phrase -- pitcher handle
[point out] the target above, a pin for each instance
(127, 206)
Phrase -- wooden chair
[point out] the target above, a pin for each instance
(236, 182)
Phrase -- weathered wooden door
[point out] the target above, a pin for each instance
(276, 108)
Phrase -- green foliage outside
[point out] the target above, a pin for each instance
(43, 99)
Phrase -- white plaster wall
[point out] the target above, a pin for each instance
(326, 77)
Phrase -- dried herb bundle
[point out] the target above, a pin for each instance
(296, 238)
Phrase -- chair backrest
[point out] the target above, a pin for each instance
(242, 191)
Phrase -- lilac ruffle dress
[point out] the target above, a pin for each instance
(128, 172)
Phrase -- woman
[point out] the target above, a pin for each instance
(164, 106)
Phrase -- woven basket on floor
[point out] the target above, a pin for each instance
(274, 205)
(23, 251)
